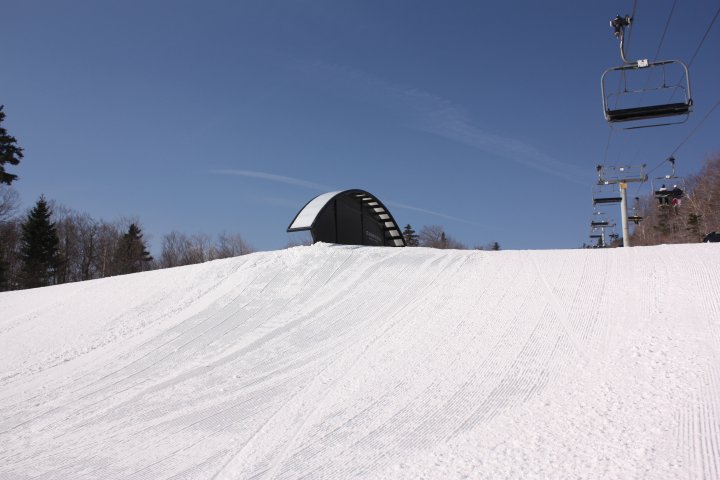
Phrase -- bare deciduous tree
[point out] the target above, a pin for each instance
(175, 246)
(79, 241)
(9, 202)
(697, 214)
(179, 249)
(434, 236)
(230, 245)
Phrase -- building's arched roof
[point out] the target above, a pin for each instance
(351, 217)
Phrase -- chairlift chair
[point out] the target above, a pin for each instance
(635, 217)
(637, 102)
(599, 239)
(604, 194)
(669, 189)
(600, 221)
(614, 174)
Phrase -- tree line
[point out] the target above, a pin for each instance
(51, 245)
(688, 221)
(434, 236)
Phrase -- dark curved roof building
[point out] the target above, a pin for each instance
(349, 217)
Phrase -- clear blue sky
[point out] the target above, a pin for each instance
(215, 116)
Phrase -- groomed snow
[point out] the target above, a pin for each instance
(356, 362)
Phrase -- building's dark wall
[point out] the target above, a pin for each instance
(349, 222)
(323, 229)
(345, 220)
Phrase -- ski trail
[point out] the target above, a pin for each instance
(164, 355)
(561, 313)
(699, 432)
(351, 361)
(84, 387)
(334, 362)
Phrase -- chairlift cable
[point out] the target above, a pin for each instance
(637, 190)
(694, 130)
(697, 50)
(632, 19)
(662, 38)
(607, 145)
(692, 59)
(697, 126)
(667, 24)
(704, 37)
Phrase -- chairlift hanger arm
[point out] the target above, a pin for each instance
(619, 23)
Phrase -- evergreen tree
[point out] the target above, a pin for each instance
(411, 238)
(132, 255)
(4, 274)
(10, 234)
(9, 152)
(38, 247)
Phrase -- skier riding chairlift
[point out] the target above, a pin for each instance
(663, 195)
(676, 195)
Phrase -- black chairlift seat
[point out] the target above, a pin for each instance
(607, 200)
(595, 236)
(603, 223)
(636, 219)
(648, 112)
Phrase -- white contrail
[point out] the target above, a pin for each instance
(433, 114)
(324, 188)
(274, 178)
(430, 212)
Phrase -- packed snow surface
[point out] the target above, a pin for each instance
(335, 362)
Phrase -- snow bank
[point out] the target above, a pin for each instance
(336, 362)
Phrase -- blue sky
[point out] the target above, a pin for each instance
(220, 116)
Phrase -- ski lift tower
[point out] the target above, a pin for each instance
(621, 176)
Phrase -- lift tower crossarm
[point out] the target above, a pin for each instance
(622, 175)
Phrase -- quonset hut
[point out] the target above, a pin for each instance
(350, 217)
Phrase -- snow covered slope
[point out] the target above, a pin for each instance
(341, 362)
